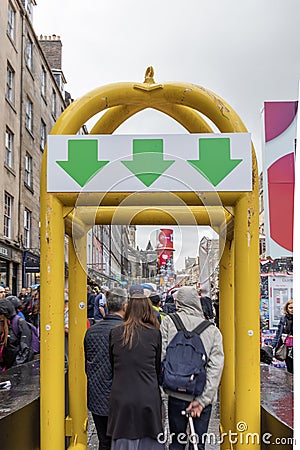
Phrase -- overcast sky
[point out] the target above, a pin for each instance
(246, 51)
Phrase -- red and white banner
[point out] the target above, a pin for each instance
(280, 119)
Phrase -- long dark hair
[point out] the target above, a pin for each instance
(139, 313)
(4, 330)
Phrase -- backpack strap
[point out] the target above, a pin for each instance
(202, 326)
(179, 324)
(180, 327)
(15, 325)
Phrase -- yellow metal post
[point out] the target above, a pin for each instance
(52, 325)
(77, 329)
(247, 374)
(226, 308)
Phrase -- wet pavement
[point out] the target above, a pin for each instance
(24, 387)
(277, 393)
(213, 428)
(92, 435)
(276, 396)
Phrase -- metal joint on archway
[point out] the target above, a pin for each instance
(233, 214)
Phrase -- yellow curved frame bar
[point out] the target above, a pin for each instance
(186, 103)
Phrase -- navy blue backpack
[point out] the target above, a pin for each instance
(184, 366)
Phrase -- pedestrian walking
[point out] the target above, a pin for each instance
(90, 304)
(26, 302)
(66, 328)
(155, 299)
(97, 363)
(188, 308)
(135, 420)
(16, 302)
(7, 291)
(100, 308)
(207, 307)
(284, 335)
(15, 349)
(169, 306)
(216, 305)
(2, 292)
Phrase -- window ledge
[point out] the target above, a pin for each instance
(11, 105)
(29, 187)
(30, 132)
(10, 169)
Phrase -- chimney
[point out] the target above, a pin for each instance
(52, 48)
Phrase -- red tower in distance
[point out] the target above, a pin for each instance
(165, 264)
(165, 247)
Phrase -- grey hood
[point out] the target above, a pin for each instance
(188, 301)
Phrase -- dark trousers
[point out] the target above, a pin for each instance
(289, 360)
(101, 427)
(178, 424)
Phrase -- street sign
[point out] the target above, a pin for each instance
(130, 163)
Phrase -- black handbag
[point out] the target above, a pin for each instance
(281, 352)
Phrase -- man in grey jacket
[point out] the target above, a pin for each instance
(188, 307)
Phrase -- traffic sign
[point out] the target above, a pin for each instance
(130, 163)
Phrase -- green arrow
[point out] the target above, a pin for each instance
(147, 163)
(214, 161)
(82, 164)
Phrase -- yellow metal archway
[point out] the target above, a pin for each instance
(236, 221)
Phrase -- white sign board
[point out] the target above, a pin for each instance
(280, 291)
(127, 163)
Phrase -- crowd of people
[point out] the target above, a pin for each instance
(19, 324)
(126, 347)
(125, 353)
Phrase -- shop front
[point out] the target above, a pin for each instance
(5, 259)
(31, 269)
(9, 267)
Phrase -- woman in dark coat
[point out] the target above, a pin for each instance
(134, 419)
(284, 334)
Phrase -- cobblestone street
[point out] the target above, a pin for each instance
(213, 428)
(92, 435)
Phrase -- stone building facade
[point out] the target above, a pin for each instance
(32, 97)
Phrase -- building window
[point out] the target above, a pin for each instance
(59, 80)
(29, 114)
(57, 77)
(29, 9)
(28, 170)
(11, 22)
(8, 203)
(27, 228)
(43, 135)
(9, 146)
(44, 82)
(54, 104)
(10, 84)
(29, 51)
